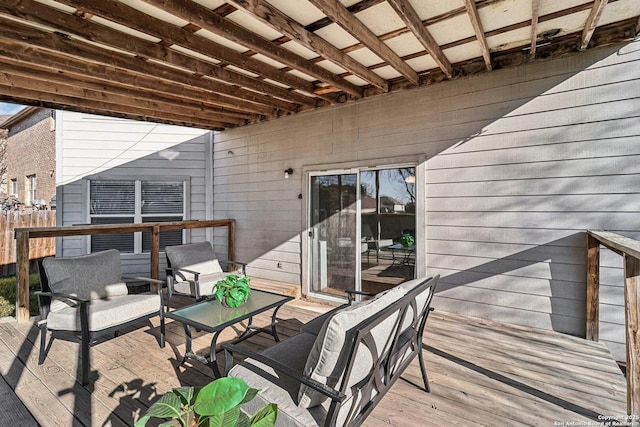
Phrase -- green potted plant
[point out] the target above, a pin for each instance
(407, 240)
(233, 290)
(215, 405)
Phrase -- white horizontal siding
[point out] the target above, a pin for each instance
(90, 146)
(520, 163)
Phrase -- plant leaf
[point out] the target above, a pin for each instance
(142, 421)
(265, 417)
(226, 419)
(185, 393)
(168, 405)
(251, 393)
(220, 396)
(243, 420)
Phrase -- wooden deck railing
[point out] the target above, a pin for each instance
(23, 235)
(629, 249)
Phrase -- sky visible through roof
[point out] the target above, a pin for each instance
(6, 108)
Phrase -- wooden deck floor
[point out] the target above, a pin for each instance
(482, 373)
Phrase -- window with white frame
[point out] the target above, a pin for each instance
(128, 202)
(14, 187)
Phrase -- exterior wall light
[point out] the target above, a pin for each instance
(287, 173)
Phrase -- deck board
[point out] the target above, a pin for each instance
(481, 372)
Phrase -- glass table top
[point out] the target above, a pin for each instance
(213, 316)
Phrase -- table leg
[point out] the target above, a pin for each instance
(212, 355)
(187, 333)
(273, 324)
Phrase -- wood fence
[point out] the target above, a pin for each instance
(38, 248)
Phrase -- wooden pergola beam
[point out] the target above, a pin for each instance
(43, 91)
(126, 96)
(294, 30)
(592, 23)
(12, 31)
(409, 15)
(170, 34)
(535, 16)
(472, 12)
(209, 20)
(341, 16)
(80, 70)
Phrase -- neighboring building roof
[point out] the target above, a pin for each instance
(11, 120)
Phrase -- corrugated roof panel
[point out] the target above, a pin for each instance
(299, 10)
(221, 40)
(302, 75)
(338, 37)
(463, 52)
(504, 13)
(299, 50)
(252, 23)
(211, 4)
(365, 57)
(551, 6)
(193, 53)
(422, 63)
(429, 9)
(267, 60)
(241, 70)
(381, 19)
(331, 67)
(622, 9)
(451, 30)
(405, 44)
(570, 23)
(510, 39)
(123, 29)
(155, 12)
(387, 72)
(58, 6)
(356, 80)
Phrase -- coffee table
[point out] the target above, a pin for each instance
(213, 317)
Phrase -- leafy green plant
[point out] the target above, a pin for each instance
(215, 405)
(233, 290)
(407, 240)
(8, 295)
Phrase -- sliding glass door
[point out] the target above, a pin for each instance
(361, 229)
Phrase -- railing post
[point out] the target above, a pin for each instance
(155, 252)
(632, 323)
(232, 240)
(22, 273)
(593, 288)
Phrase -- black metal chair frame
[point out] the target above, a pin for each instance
(384, 372)
(45, 296)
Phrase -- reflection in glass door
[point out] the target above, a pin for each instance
(368, 245)
(333, 232)
(388, 227)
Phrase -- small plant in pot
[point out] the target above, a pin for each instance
(233, 290)
(407, 240)
(215, 405)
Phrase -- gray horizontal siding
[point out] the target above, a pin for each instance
(520, 163)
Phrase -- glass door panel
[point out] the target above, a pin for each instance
(388, 208)
(333, 232)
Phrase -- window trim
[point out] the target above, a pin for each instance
(137, 216)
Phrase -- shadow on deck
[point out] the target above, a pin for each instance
(482, 373)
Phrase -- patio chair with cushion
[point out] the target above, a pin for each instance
(338, 368)
(193, 269)
(87, 295)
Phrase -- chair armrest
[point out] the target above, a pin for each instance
(242, 264)
(283, 369)
(175, 271)
(143, 279)
(351, 294)
(59, 295)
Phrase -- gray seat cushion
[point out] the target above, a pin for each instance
(105, 313)
(90, 276)
(326, 361)
(198, 257)
(280, 389)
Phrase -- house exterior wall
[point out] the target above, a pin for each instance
(31, 151)
(518, 163)
(96, 147)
